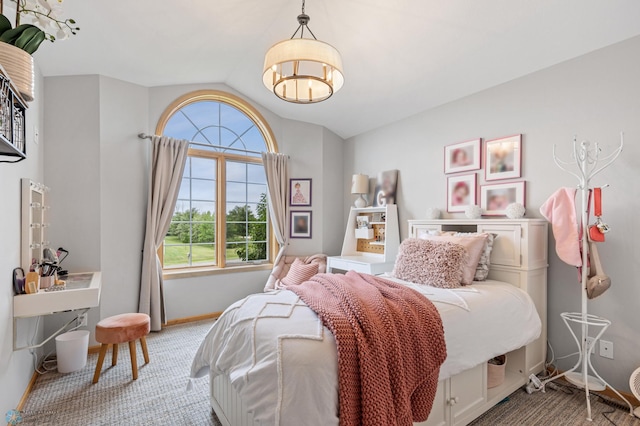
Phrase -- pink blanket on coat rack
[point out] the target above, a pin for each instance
(390, 346)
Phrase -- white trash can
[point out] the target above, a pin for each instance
(71, 350)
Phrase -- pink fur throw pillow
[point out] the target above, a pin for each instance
(474, 244)
(434, 263)
(300, 272)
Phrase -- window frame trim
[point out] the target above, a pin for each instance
(261, 124)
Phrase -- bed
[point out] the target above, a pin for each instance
(271, 361)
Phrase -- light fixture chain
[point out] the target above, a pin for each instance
(303, 6)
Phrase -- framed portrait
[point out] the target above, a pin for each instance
(300, 192)
(503, 158)
(496, 197)
(461, 192)
(462, 156)
(301, 224)
(385, 190)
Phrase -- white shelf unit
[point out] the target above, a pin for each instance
(374, 255)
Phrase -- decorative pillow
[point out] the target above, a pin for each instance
(474, 244)
(299, 272)
(482, 271)
(434, 263)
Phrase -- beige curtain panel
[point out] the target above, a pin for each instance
(168, 157)
(276, 167)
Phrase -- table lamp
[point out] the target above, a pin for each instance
(360, 186)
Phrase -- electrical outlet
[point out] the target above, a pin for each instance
(82, 320)
(590, 344)
(606, 349)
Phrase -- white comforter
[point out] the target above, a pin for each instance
(268, 340)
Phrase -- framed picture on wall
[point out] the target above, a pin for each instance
(461, 192)
(495, 198)
(300, 192)
(462, 156)
(300, 224)
(503, 158)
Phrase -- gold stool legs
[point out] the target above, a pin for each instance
(103, 353)
(114, 357)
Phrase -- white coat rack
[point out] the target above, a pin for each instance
(586, 158)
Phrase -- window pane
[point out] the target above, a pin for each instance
(234, 119)
(202, 114)
(231, 139)
(203, 168)
(236, 192)
(203, 207)
(254, 141)
(203, 254)
(256, 192)
(255, 173)
(236, 172)
(209, 135)
(179, 127)
(243, 252)
(237, 224)
(258, 231)
(176, 256)
(203, 190)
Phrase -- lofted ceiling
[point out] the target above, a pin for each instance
(400, 57)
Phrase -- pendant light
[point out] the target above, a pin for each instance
(303, 70)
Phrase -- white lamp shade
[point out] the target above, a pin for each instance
(360, 184)
(303, 70)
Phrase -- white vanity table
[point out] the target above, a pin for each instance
(82, 292)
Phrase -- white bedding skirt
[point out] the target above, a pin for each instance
(282, 361)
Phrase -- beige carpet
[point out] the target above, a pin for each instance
(159, 396)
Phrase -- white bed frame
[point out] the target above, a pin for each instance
(519, 257)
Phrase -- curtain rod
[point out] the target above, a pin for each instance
(206, 145)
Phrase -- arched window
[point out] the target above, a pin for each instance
(221, 216)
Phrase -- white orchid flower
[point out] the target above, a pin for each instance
(44, 4)
(61, 34)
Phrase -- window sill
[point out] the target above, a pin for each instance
(174, 274)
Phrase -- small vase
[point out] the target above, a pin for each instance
(18, 65)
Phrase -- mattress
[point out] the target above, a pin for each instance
(283, 362)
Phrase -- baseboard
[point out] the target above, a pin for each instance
(177, 321)
(608, 392)
(212, 315)
(27, 391)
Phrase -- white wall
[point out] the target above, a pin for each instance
(16, 368)
(123, 183)
(97, 171)
(594, 96)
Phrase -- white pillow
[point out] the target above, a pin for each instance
(484, 263)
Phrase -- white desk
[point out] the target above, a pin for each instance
(82, 291)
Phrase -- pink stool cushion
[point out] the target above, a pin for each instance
(122, 328)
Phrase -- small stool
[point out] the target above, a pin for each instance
(118, 329)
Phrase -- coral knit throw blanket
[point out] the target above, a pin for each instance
(390, 346)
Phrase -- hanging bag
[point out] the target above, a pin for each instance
(597, 282)
(597, 231)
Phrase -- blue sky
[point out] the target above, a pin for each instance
(200, 122)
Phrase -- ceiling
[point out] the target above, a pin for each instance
(400, 57)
